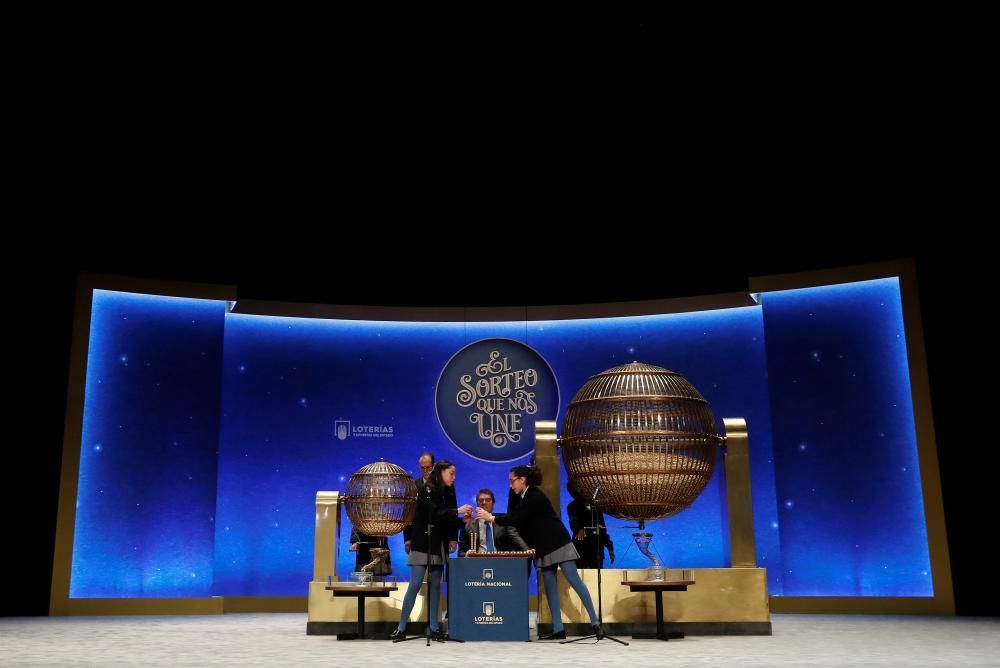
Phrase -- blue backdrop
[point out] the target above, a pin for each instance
(207, 434)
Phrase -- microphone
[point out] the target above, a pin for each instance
(598, 489)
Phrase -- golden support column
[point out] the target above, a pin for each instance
(547, 459)
(742, 548)
(325, 552)
(326, 614)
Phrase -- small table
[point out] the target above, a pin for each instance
(361, 592)
(659, 586)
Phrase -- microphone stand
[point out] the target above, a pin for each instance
(596, 526)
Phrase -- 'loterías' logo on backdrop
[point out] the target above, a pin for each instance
(489, 396)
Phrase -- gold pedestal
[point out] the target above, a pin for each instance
(329, 615)
(723, 601)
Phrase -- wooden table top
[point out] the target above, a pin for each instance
(360, 589)
(652, 584)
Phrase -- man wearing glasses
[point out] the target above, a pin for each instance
(491, 538)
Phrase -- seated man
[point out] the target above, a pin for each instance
(505, 539)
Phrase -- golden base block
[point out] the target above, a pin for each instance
(324, 607)
(718, 595)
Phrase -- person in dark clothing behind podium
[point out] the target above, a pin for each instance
(435, 506)
(540, 527)
(426, 464)
(362, 543)
(585, 540)
(505, 539)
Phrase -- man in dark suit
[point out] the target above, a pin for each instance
(585, 540)
(505, 539)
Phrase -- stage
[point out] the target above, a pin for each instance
(280, 639)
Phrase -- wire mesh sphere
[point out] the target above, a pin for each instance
(381, 499)
(643, 434)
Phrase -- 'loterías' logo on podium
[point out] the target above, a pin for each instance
(489, 395)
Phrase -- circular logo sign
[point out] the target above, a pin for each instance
(489, 395)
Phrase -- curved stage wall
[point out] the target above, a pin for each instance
(206, 432)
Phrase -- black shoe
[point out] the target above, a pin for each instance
(437, 635)
(558, 635)
(397, 635)
(598, 631)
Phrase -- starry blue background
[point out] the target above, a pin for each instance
(145, 507)
(220, 426)
(851, 514)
